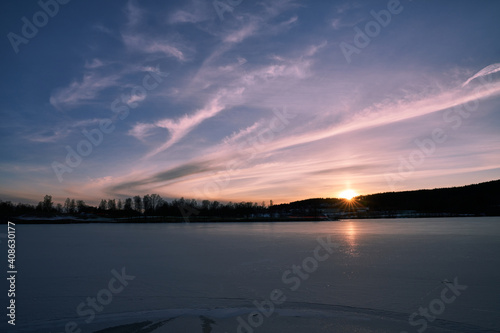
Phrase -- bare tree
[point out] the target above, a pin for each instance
(138, 203)
(80, 204)
(111, 204)
(72, 206)
(67, 203)
(128, 204)
(156, 202)
(146, 201)
(103, 205)
(47, 204)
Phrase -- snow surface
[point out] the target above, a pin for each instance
(201, 277)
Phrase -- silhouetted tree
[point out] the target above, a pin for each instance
(146, 202)
(24, 209)
(103, 205)
(112, 205)
(82, 207)
(47, 203)
(156, 201)
(128, 204)
(193, 203)
(67, 203)
(138, 203)
(214, 205)
(6, 209)
(205, 205)
(72, 206)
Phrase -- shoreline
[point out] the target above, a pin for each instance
(176, 220)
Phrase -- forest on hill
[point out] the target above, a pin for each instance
(477, 199)
(483, 198)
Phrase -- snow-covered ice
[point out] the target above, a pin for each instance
(202, 277)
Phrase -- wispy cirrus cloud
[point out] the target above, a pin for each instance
(182, 16)
(134, 13)
(103, 29)
(234, 138)
(61, 131)
(243, 33)
(140, 43)
(250, 78)
(136, 39)
(180, 127)
(49, 136)
(390, 112)
(177, 128)
(347, 15)
(163, 178)
(141, 131)
(488, 70)
(193, 11)
(95, 63)
(80, 92)
(258, 26)
(276, 7)
(313, 49)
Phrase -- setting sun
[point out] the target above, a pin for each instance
(348, 194)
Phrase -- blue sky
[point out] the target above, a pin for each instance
(242, 100)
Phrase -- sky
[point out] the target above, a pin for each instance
(241, 100)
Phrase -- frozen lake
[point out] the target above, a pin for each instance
(349, 276)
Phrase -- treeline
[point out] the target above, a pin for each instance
(477, 199)
(310, 207)
(150, 205)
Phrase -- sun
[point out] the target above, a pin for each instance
(348, 194)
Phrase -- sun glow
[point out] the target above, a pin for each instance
(348, 194)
